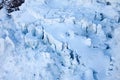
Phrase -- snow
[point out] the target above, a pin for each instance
(61, 40)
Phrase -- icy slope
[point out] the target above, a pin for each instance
(61, 40)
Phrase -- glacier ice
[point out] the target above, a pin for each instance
(61, 40)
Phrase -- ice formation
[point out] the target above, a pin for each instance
(61, 40)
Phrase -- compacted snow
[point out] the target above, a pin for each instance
(61, 40)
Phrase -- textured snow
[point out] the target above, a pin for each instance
(61, 40)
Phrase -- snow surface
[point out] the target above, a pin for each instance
(61, 40)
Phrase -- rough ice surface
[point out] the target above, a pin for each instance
(61, 40)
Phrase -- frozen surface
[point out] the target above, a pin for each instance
(61, 40)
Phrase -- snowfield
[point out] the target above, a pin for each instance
(61, 40)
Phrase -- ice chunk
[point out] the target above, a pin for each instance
(2, 46)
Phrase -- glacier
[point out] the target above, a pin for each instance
(61, 40)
